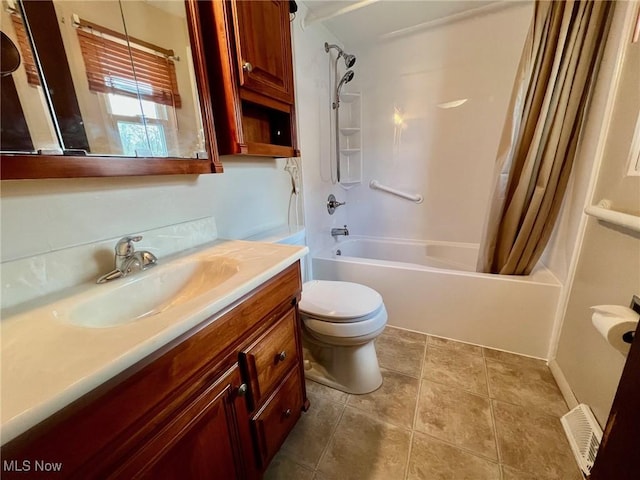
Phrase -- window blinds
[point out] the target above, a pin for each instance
(25, 50)
(109, 69)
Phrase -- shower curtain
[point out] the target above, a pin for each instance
(546, 113)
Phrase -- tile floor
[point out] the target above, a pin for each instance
(445, 411)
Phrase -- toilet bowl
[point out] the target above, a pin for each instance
(340, 321)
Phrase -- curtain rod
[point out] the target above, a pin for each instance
(81, 23)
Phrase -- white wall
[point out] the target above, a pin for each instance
(40, 216)
(608, 266)
(447, 155)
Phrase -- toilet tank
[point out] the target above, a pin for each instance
(294, 235)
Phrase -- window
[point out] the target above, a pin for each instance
(140, 103)
(140, 135)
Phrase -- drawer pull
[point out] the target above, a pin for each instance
(281, 356)
(247, 67)
(242, 390)
(287, 413)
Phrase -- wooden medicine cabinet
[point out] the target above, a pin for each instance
(109, 88)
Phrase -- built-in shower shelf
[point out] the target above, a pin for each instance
(347, 184)
(349, 151)
(349, 97)
(350, 138)
(347, 132)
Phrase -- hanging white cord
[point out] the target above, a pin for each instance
(294, 171)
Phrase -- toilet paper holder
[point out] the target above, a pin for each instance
(635, 306)
(617, 324)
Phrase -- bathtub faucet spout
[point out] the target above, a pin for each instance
(335, 232)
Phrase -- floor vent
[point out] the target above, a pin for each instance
(584, 435)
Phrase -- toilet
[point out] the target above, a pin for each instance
(340, 321)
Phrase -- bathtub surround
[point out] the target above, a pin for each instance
(432, 286)
(412, 144)
(543, 127)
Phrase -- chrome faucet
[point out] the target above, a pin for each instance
(339, 231)
(127, 260)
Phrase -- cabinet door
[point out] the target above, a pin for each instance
(263, 40)
(203, 441)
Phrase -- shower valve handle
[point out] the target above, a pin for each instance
(332, 204)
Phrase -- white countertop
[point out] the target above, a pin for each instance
(47, 362)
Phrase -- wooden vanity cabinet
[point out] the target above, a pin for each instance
(215, 403)
(247, 47)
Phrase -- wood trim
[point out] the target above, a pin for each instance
(196, 37)
(221, 73)
(254, 97)
(18, 167)
(268, 150)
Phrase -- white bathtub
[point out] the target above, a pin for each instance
(432, 287)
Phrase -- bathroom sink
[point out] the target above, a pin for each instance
(149, 293)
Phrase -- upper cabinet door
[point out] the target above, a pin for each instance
(263, 39)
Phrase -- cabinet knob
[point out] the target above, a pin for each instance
(247, 67)
(282, 355)
(242, 390)
(287, 413)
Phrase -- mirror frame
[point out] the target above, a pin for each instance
(32, 166)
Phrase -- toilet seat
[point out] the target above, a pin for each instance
(359, 328)
(340, 302)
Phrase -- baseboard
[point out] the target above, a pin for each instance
(563, 384)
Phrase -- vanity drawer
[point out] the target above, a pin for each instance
(268, 358)
(276, 418)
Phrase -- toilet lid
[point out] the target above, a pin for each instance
(338, 301)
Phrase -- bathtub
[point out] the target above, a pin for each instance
(432, 287)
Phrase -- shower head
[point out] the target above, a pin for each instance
(349, 60)
(346, 78)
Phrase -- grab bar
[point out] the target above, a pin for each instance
(603, 212)
(375, 185)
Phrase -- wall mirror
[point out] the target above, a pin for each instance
(115, 87)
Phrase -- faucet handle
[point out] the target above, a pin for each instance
(125, 247)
